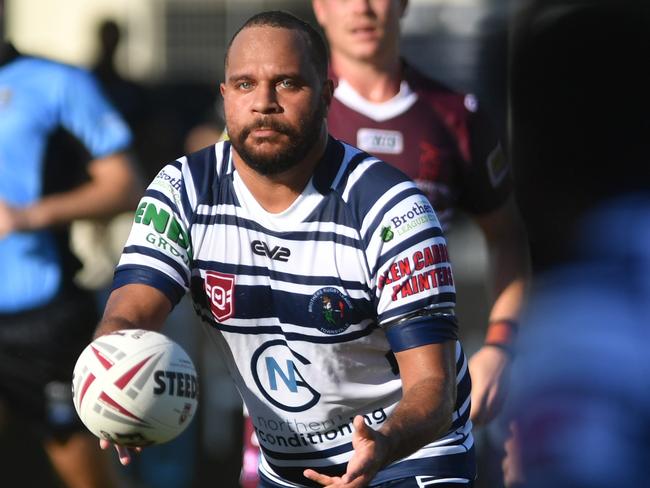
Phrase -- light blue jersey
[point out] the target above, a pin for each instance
(37, 97)
(308, 305)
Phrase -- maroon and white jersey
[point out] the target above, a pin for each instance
(437, 136)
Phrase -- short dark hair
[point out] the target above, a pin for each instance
(284, 20)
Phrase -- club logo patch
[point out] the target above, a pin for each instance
(219, 287)
(330, 310)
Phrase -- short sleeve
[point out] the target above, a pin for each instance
(412, 278)
(158, 251)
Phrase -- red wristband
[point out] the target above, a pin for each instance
(501, 333)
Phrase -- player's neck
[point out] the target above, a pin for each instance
(276, 193)
(376, 81)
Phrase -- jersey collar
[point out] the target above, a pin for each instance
(328, 166)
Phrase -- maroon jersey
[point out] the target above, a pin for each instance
(437, 136)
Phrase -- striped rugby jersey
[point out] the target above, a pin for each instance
(308, 305)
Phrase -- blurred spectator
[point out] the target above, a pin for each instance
(45, 320)
(129, 97)
(580, 104)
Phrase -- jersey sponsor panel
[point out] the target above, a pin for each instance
(411, 258)
(408, 217)
(158, 227)
(388, 200)
(418, 271)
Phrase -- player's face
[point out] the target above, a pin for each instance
(274, 103)
(360, 29)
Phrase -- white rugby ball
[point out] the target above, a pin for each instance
(135, 387)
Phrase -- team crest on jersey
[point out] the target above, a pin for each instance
(330, 310)
(220, 287)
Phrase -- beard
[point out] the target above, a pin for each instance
(301, 141)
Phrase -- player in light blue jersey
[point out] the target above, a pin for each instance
(322, 274)
(45, 319)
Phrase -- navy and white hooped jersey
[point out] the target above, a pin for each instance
(310, 304)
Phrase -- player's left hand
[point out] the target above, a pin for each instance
(489, 369)
(370, 450)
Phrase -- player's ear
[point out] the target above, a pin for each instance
(222, 88)
(319, 13)
(327, 92)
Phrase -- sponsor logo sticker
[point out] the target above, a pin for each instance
(276, 253)
(165, 178)
(419, 213)
(380, 141)
(387, 234)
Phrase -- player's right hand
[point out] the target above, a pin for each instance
(489, 369)
(124, 453)
(370, 451)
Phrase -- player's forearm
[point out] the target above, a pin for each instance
(112, 324)
(510, 278)
(509, 300)
(134, 307)
(509, 260)
(423, 415)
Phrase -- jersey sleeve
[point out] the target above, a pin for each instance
(486, 180)
(158, 251)
(85, 112)
(411, 275)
